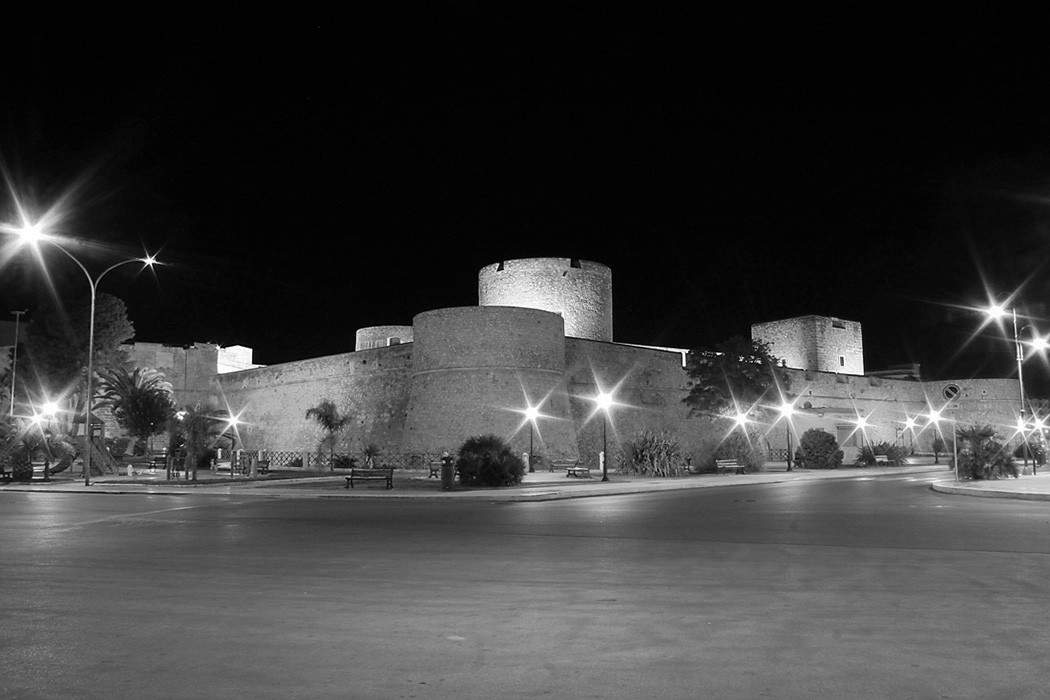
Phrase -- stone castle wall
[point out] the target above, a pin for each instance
(476, 370)
(816, 343)
(371, 385)
(579, 290)
(382, 336)
(648, 387)
(190, 369)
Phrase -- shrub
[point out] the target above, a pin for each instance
(894, 455)
(344, 461)
(1035, 452)
(746, 449)
(982, 455)
(818, 450)
(652, 454)
(487, 460)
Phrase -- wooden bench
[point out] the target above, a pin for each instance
(573, 468)
(727, 466)
(378, 474)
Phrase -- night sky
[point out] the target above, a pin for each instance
(312, 171)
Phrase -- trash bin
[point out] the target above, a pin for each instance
(448, 471)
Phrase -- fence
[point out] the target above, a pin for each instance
(286, 459)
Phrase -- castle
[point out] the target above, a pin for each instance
(541, 337)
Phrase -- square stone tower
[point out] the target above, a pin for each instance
(818, 343)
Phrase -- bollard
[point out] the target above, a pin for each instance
(448, 471)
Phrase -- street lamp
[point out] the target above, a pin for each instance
(997, 311)
(605, 401)
(46, 412)
(33, 233)
(909, 424)
(934, 418)
(530, 415)
(787, 409)
(14, 362)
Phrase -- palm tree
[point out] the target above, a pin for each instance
(140, 400)
(326, 414)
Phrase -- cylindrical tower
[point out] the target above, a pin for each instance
(578, 290)
(382, 336)
(476, 369)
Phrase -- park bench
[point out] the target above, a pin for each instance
(727, 466)
(573, 468)
(378, 474)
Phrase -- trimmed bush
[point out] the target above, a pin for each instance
(486, 460)
(818, 450)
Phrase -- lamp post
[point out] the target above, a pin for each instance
(787, 409)
(47, 411)
(14, 363)
(530, 415)
(605, 401)
(997, 311)
(33, 234)
(934, 418)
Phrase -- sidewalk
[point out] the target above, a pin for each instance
(538, 486)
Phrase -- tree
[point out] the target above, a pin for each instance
(326, 414)
(194, 432)
(141, 400)
(735, 375)
(56, 344)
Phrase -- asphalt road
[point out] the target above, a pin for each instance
(846, 588)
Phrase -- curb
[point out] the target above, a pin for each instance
(952, 488)
(544, 491)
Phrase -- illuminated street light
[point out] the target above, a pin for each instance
(998, 311)
(530, 415)
(909, 424)
(47, 412)
(605, 402)
(33, 233)
(934, 418)
(787, 409)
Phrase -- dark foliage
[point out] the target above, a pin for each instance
(487, 460)
(818, 450)
(867, 457)
(734, 375)
(982, 454)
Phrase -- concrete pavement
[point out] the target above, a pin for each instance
(538, 486)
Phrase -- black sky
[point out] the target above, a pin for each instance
(316, 170)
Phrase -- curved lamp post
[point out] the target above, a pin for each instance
(33, 235)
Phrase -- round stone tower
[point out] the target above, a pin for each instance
(476, 369)
(580, 291)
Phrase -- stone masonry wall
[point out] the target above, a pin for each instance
(579, 290)
(648, 387)
(370, 385)
(817, 343)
